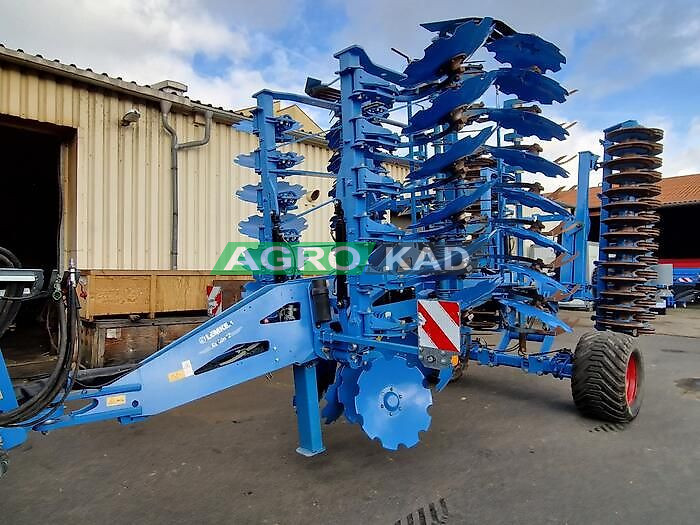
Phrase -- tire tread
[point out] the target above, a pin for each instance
(598, 381)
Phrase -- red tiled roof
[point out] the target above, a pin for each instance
(684, 189)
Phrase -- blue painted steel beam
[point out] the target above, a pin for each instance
(178, 373)
(308, 412)
(558, 365)
(9, 437)
(575, 235)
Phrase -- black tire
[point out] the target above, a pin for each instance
(608, 376)
(4, 461)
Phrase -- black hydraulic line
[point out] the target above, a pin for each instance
(8, 309)
(341, 280)
(61, 377)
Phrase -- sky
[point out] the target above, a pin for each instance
(635, 59)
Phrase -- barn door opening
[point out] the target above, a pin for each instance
(31, 208)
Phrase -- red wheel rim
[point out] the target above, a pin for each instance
(631, 380)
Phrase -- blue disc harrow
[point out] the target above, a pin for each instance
(465, 247)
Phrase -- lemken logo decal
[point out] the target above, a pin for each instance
(214, 332)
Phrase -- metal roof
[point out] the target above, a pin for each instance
(102, 80)
(143, 91)
(675, 191)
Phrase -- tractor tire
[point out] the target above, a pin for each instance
(608, 376)
(4, 461)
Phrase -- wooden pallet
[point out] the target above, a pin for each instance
(109, 342)
(149, 293)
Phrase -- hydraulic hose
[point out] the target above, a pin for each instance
(61, 377)
(8, 309)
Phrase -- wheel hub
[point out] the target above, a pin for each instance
(631, 380)
(391, 401)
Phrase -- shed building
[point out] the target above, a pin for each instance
(87, 176)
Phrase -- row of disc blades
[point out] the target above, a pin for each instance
(629, 230)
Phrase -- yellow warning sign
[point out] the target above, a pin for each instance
(176, 375)
(115, 401)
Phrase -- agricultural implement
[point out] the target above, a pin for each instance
(374, 346)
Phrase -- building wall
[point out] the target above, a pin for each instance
(117, 179)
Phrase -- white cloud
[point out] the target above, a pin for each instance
(681, 156)
(150, 40)
(638, 40)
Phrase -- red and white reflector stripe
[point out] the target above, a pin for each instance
(438, 325)
(214, 300)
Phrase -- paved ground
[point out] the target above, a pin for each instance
(503, 448)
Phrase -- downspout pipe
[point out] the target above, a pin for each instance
(175, 146)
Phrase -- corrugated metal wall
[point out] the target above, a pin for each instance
(117, 178)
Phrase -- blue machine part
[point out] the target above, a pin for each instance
(460, 192)
(347, 390)
(382, 75)
(528, 311)
(535, 237)
(524, 122)
(528, 162)
(244, 126)
(227, 350)
(445, 103)
(686, 276)
(544, 281)
(530, 86)
(246, 160)
(393, 402)
(575, 273)
(9, 437)
(516, 195)
(290, 226)
(527, 50)
(477, 291)
(334, 408)
(454, 207)
(463, 148)
(463, 42)
(287, 193)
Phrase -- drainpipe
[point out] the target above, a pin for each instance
(175, 146)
